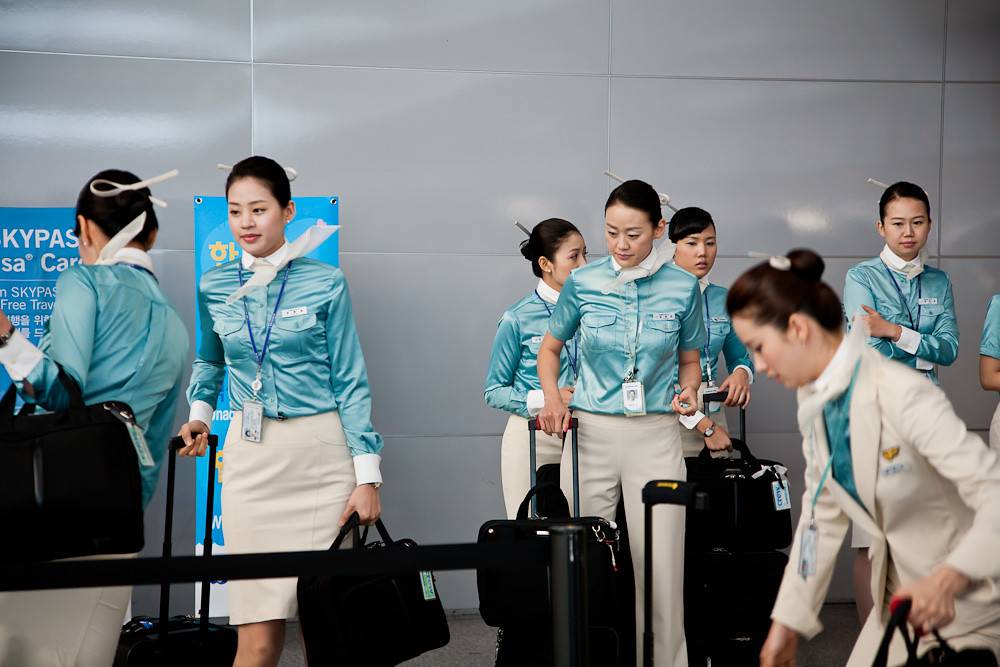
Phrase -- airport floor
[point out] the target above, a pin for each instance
(472, 642)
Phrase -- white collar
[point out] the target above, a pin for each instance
(839, 361)
(133, 256)
(547, 293)
(274, 258)
(644, 264)
(911, 269)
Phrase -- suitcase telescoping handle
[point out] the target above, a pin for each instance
(575, 454)
(719, 397)
(661, 492)
(176, 443)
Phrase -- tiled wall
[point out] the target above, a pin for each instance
(438, 123)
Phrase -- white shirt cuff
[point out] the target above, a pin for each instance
(366, 469)
(19, 356)
(909, 340)
(535, 401)
(201, 411)
(692, 421)
(748, 370)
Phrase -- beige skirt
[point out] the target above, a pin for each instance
(284, 493)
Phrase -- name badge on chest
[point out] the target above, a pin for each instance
(927, 301)
(659, 317)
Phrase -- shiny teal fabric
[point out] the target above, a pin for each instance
(990, 343)
(116, 334)
(313, 362)
(667, 304)
(836, 415)
(722, 339)
(868, 283)
(512, 372)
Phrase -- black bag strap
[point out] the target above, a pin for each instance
(522, 510)
(747, 457)
(10, 398)
(353, 526)
(897, 620)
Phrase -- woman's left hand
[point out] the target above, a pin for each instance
(365, 501)
(738, 386)
(688, 396)
(933, 598)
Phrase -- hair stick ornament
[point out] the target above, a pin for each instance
(523, 228)
(878, 183)
(292, 174)
(664, 199)
(776, 261)
(118, 188)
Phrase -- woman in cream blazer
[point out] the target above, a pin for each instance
(885, 449)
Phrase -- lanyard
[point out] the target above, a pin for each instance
(812, 441)
(914, 325)
(575, 354)
(634, 351)
(256, 385)
(708, 341)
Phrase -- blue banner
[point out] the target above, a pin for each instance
(37, 244)
(214, 245)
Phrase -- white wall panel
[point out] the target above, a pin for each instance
(778, 162)
(437, 161)
(515, 36)
(217, 30)
(973, 47)
(851, 39)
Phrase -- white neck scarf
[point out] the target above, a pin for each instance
(835, 378)
(912, 269)
(659, 255)
(264, 272)
(110, 254)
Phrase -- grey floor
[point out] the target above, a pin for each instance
(472, 642)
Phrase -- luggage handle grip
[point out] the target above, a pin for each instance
(533, 424)
(177, 443)
(672, 492)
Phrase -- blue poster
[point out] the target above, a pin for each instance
(214, 245)
(37, 244)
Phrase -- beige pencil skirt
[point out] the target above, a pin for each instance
(284, 493)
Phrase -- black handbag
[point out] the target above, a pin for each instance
(942, 654)
(749, 506)
(69, 481)
(381, 619)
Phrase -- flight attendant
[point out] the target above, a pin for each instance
(554, 248)
(638, 318)
(883, 448)
(692, 231)
(301, 454)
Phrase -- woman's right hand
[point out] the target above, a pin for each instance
(779, 647)
(195, 434)
(554, 419)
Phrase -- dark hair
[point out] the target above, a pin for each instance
(545, 239)
(265, 170)
(688, 221)
(902, 190)
(771, 296)
(638, 195)
(112, 214)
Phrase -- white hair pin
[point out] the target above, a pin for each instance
(523, 228)
(878, 183)
(776, 261)
(664, 199)
(118, 188)
(292, 174)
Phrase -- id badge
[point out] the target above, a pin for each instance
(634, 399)
(808, 551)
(253, 416)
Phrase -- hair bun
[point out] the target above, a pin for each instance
(525, 248)
(807, 265)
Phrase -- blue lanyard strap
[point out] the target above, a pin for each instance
(914, 325)
(246, 314)
(708, 340)
(812, 440)
(575, 354)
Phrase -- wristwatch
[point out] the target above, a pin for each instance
(376, 484)
(710, 430)
(5, 338)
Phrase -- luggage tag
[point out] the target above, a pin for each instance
(634, 398)
(136, 435)
(253, 417)
(427, 584)
(808, 551)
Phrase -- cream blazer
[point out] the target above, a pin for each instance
(930, 493)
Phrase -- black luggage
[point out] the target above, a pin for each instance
(149, 641)
(518, 601)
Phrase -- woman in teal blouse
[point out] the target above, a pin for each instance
(692, 230)
(907, 305)
(989, 363)
(639, 322)
(554, 248)
(301, 454)
(114, 332)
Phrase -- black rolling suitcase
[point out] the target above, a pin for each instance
(188, 641)
(732, 558)
(518, 602)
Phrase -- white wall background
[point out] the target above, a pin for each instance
(438, 123)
